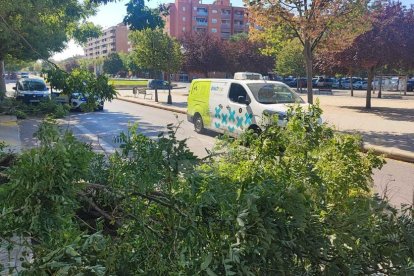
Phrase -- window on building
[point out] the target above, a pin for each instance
(183, 8)
(183, 18)
(214, 11)
(183, 29)
(213, 20)
(214, 30)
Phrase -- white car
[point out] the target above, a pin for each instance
(31, 90)
(76, 100)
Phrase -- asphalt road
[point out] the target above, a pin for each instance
(100, 128)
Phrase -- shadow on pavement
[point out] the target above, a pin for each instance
(388, 139)
(388, 113)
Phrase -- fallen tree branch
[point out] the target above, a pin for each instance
(99, 210)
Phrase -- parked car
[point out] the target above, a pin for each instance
(158, 84)
(31, 90)
(23, 75)
(410, 85)
(360, 85)
(336, 84)
(294, 82)
(324, 82)
(346, 84)
(76, 100)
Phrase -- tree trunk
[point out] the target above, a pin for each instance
(2, 81)
(169, 98)
(297, 84)
(370, 78)
(406, 88)
(308, 58)
(156, 94)
(380, 87)
(352, 86)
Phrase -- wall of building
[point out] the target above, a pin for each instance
(220, 18)
(112, 40)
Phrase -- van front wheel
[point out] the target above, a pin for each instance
(198, 123)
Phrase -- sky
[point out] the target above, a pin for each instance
(113, 13)
(110, 15)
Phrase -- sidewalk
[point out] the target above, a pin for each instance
(388, 128)
(9, 133)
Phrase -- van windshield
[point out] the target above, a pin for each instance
(273, 93)
(31, 85)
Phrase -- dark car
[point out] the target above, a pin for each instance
(325, 82)
(410, 85)
(159, 84)
(31, 90)
(301, 82)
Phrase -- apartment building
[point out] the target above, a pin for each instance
(112, 40)
(220, 18)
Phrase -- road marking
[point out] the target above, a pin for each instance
(107, 148)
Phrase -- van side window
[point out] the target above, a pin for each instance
(236, 91)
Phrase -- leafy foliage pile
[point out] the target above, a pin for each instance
(21, 110)
(82, 81)
(298, 200)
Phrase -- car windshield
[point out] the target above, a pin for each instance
(31, 85)
(273, 93)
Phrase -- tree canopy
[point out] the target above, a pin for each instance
(37, 29)
(389, 43)
(113, 64)
(155, 50)
(311, 22)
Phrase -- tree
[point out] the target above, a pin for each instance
(155, 50)
(309, 21)
(203, 53)
(388, 43)
(31, 30)
(113, 64)
(290, 59)
(140, 17)
(244, 55)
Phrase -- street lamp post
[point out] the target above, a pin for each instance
(169, 98)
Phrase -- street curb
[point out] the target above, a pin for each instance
(172, 109)
(388, 153)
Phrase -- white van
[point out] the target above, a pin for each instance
(235, 105)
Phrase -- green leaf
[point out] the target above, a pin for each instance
(210, 272)
(207, 261)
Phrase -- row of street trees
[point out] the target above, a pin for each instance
(340, 36)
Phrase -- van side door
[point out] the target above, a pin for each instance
(239, 115)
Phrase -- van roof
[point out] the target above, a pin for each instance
(240, 81)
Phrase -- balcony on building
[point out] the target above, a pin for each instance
(201, 21)
(238, 25)
(201, 11)
(225, 14)
(225, 26)
(238, 15)
(225, 35)
(200, 30)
